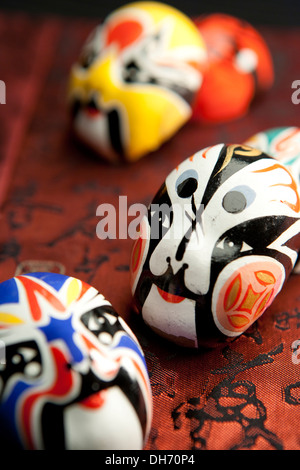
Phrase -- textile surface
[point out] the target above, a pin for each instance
(245, 395)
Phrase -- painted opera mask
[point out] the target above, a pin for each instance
(282, 143)
(74, 375)
(239, 68)
(220, 239)
(135, 81)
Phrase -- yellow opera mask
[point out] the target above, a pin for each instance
(135, 81)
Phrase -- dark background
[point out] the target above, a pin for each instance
(265, 12)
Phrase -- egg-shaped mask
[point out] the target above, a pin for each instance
(239, 68)
(220, 239)
(282, 143)
(72, 374)
(136, 78)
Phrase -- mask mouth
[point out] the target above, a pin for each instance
(171, 287)
(115, 134)
(111, 121)
(92, 109)
(171, 298)
(91, 395)
(75, 107)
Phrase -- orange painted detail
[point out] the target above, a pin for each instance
(249, 301)
(265, 277)
(84, 288)
(294, 206)
(238, 321)
(287, 143)
(95, 401)
(263, 303)
(124, 33)
(233, 293)
(172, 298)
(32, 289)
(205, 153)
(247, 293)
(276, 166)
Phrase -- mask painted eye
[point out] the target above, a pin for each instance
(26, 357)
(95, 324)
(238, 199)
(95, 321)
(228, 245)
(234, 202)
(102, 324)
(131, 72)
(187, 184)
(87, 58)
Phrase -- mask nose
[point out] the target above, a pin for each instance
(94, 81)
(185, 235)
(101, 79)
(195, 254)
(193, 239)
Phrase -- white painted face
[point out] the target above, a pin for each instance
(227, 238)
(74, 376)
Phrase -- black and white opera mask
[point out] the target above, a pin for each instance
(219, 241)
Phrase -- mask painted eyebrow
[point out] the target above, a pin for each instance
(232, 159)
(187, 183)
